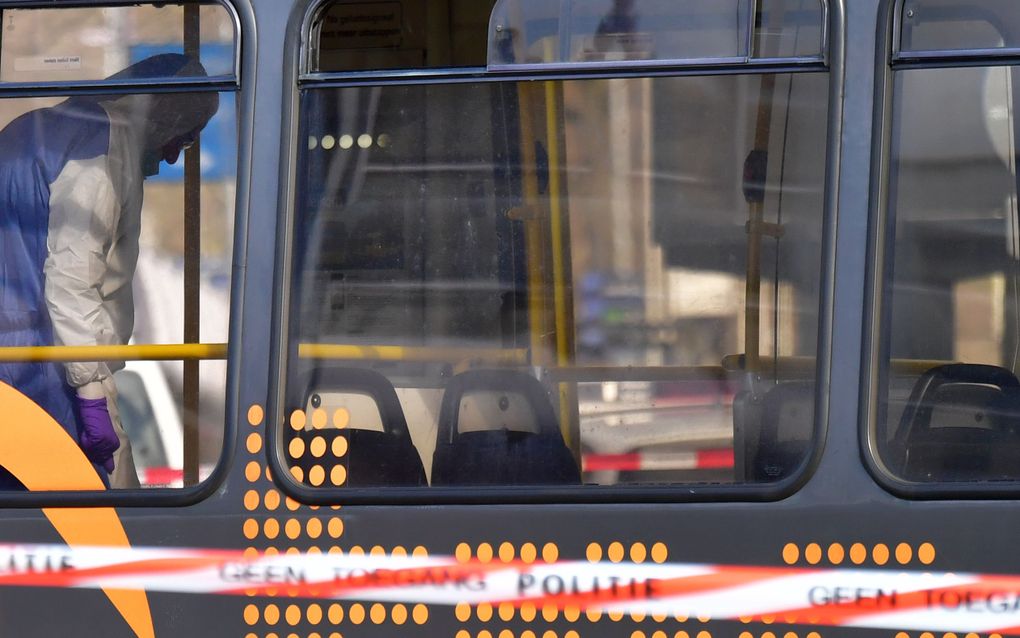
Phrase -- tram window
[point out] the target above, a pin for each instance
(349, 35)
(936, 25)
(78, 41)
(951, 404)
(557, 271)
(533, 31)
(98, 277)
(789, 28)
(396, 34)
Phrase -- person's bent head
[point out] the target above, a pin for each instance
(173, 120)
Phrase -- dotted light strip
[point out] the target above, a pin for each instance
(336, 614)
(859, 554)
(314, 634)
(550, 612)
(506, 633)
(617, 552)
(949, 634)
(785, 634)
(347, 141)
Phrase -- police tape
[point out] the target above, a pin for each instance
(834, 597)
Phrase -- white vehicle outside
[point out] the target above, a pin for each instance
(152, 422)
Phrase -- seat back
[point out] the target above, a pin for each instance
(369, 457)
(960, 424)
(787, 426)
(498, 427)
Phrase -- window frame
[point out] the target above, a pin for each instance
(243, 20)
(299, 78)
(889, 59)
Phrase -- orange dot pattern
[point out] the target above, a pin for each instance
(506, 552)
(788, 619)
(529, 612)
(858, 554)
(325, 528)
(270, 521)
(277, 616)
(787, 634)
(928, 634)
(679, 634)
(617, 552)
(322, 461)
(506, 633)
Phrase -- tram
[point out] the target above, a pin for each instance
(523, 319)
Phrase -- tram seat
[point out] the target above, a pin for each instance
(961, 424)
(372, 458)
(787, 424)
(498, 427)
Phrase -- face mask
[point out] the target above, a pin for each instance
(150, 164)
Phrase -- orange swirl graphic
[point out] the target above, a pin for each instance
(37, 450)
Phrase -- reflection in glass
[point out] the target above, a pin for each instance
(399, 34)
(935, 25)
(555, 272)
(78, 44)
(93, 256)
(536, 31)
(789, 29)
(950, 412)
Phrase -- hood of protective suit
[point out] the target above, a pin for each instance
(156, 121)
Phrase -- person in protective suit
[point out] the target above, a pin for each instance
(70, 218)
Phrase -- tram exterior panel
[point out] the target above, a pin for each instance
(729, 291)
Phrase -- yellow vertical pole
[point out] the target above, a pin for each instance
(756, 208)
(531, 218)
(192, 267)
(562, 279)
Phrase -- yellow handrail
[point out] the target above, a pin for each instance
(805, 366)
(496, 356)
(151, 352)
(490, 356)
(213, 351)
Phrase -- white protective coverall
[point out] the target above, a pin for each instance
(94, 222)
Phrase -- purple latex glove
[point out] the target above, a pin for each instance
(98, 439)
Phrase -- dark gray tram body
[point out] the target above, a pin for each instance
(847, 489)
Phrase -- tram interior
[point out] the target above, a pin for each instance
(558, 268)
(951, 408)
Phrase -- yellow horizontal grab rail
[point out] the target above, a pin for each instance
(601, 374)
(790, 366)
(212, 351)
(495, 356)
(151, 352)
(491, 356)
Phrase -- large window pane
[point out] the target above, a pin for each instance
(950, 410)
(93, 255)
(542, 283)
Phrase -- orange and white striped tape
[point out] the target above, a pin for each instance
(867, 598)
